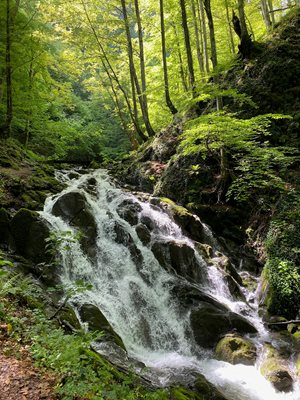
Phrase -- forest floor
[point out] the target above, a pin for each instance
(19, 379)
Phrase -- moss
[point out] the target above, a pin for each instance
(275, 369)
(180, 393)
(236, 350)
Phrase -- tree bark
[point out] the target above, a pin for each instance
(181, 69)
(196, 31)
(132, 69)
(9, 101)
(265, 14)
(188, 47)
(232, 46)
(246, 43)
(205, 47)
(143, 71)
(108, 68)
(169, 102)
(212, 37)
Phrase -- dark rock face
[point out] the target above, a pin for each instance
(124, 238)
(29, 235)
(5, 234)
(143, 234)
(72, 207)
(210, 322)
(179, 257)
(98, 322)
(129, 211)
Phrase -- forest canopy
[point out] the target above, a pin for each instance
(91, 80)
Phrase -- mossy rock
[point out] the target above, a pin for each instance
(276, 370)
(207, 390)
(4, 227)
(98, 322)
(202, 390)
(29, 233)
(236, 350)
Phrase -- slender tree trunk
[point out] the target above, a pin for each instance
(188, 47)
(212, 37)
(246, 44)
(134, 74)
(143, 71)
(203, 24)
(265, 14)
(271, 12)
(109, 70)
(196, 31)
(181, 69)
(9, 101)
(232, 47)
(169, 103)
(29, 112)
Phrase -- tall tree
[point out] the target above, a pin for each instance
(143, 106)
(9, 102)
(169, 103)
(196, 31)
(188, 48)
(213, 48)
(201, 14)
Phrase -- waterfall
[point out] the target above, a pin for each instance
(134, 292)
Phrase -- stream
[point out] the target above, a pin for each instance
(136, 295)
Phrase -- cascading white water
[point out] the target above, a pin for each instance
(136, 297)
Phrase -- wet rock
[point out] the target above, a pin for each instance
(97, 322)
(223, 263)
(29, 233)
(209, 322)
(176, 256)
(276, 370)
(236, 350)
(207, 390)
(190, 296)
(129, 210)
(143, 234)
(123, 237)
(148, 222)
(72, 207)
(5, 234)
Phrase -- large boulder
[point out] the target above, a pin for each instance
(236, 350)
(129, 210)
(209, 322)
(73, 208)
(177, 256)
(29, 233)
(96, 321)
(276, 369)
(5, 234)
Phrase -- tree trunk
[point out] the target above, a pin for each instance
(9, 102)
(232, 47)
(169, 103)
(181, 69)
(188, 47)
(246, 43)
(134, 74)
(265, 14)
(212, 37)
(143, 72)
(271, 12)
(205, 47)
(196, 31)
(29, 113)
(113, 76)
